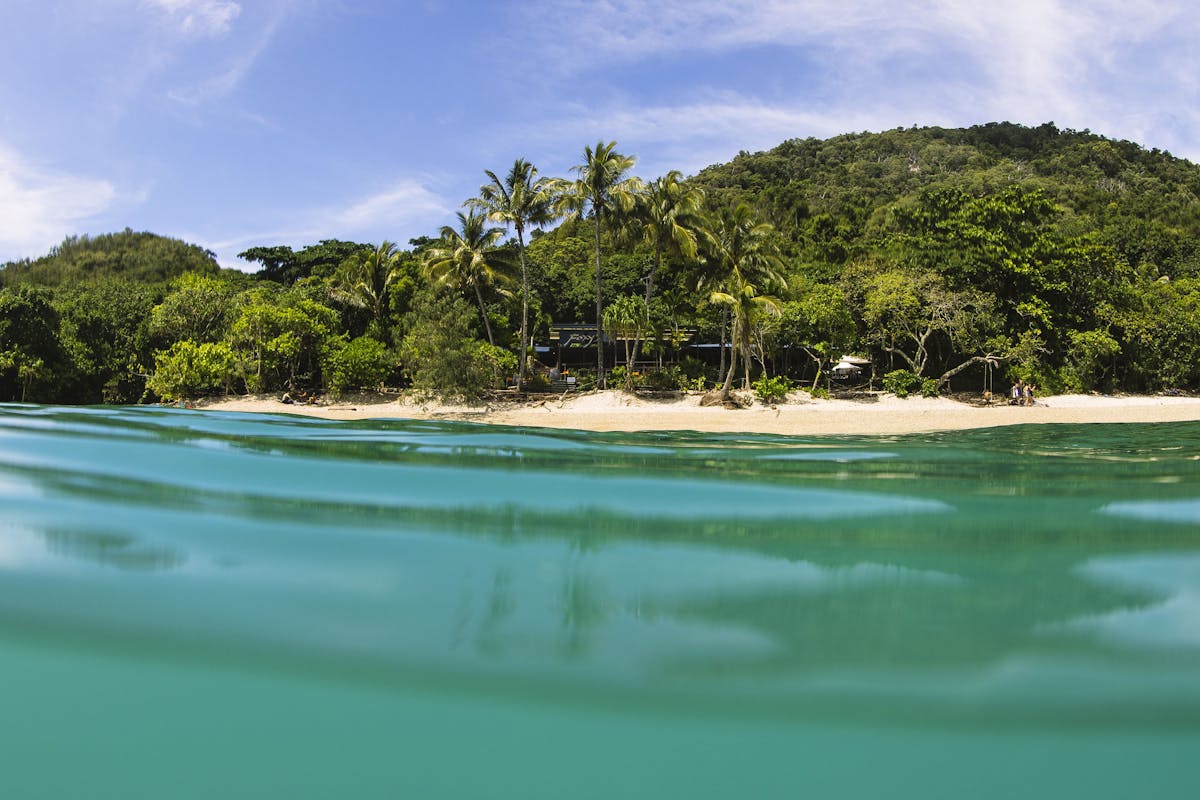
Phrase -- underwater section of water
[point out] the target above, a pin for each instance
(199, 604)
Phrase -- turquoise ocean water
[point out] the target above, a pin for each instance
(200, 604)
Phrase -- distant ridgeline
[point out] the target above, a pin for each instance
(1058, 256)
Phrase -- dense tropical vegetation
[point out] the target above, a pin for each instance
(1057, 256)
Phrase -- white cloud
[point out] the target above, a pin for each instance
(1126, 70)
(400, 205)
(691, 136)
(239, 65)
(1042, 28)
(405, 209)
(198, 18)
(39, 208)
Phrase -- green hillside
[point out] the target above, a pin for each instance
(941, 256)
(142, 257)
(837, 199)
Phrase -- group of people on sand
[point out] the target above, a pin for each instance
(1022, 393)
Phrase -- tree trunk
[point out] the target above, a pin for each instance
(733, 351)
(521, 359)
(818, 361)
(724, 327)
(653, 272)
(745, 346)
(600, 381)
(992, 360)
(637, 345)
(487, 325)
(893, 352)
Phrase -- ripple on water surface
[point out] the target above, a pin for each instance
(1008, 587)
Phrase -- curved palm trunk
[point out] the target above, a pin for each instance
(724, 328)
(733, 353)
(745, 346)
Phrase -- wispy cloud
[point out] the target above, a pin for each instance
(238, 66)
(200, 18)
(1124, 69)
(39, 207)
(404, 202)
(690, 136)
(399, 211)
(639, 28)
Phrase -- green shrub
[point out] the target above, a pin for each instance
(665, 379)
(619, 377)
(536, 382)
(693, 367)
(362, 363)
(584, 378)
(929, 388)
(819, 392)
(491, 364)
(187, 370)
(901, 382)
(772, 390)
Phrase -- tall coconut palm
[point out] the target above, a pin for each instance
(470, 258)
(602, 189)
(668, 214)
(363, 281)
(742, 261)
(667, 217)
(520, 200)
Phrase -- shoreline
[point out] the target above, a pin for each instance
(614, 410)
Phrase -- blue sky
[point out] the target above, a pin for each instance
(234, 123)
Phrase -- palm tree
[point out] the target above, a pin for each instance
(628, 318)
(742, 258)
(669, 213)
(470, 258)
(603, 190)
(522, 199)
(666, 217)
(363, 281)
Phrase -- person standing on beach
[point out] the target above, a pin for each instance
(1028, 394)
(1015, 399)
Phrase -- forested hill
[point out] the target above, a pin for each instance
(834, 199)
(142, 257)
(941, 256)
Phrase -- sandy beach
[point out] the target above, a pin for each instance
(801, 415)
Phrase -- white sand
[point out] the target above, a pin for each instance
(616, 411)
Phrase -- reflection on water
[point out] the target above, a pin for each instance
(110, 548)
(1010, 579)
(1184, 512)
(1168, 619)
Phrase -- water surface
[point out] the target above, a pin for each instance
(200, 604)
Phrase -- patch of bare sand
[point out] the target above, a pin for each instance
(617, 411)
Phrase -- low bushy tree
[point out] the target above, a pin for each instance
(189, 369)
(362, 363)
(441, 355)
